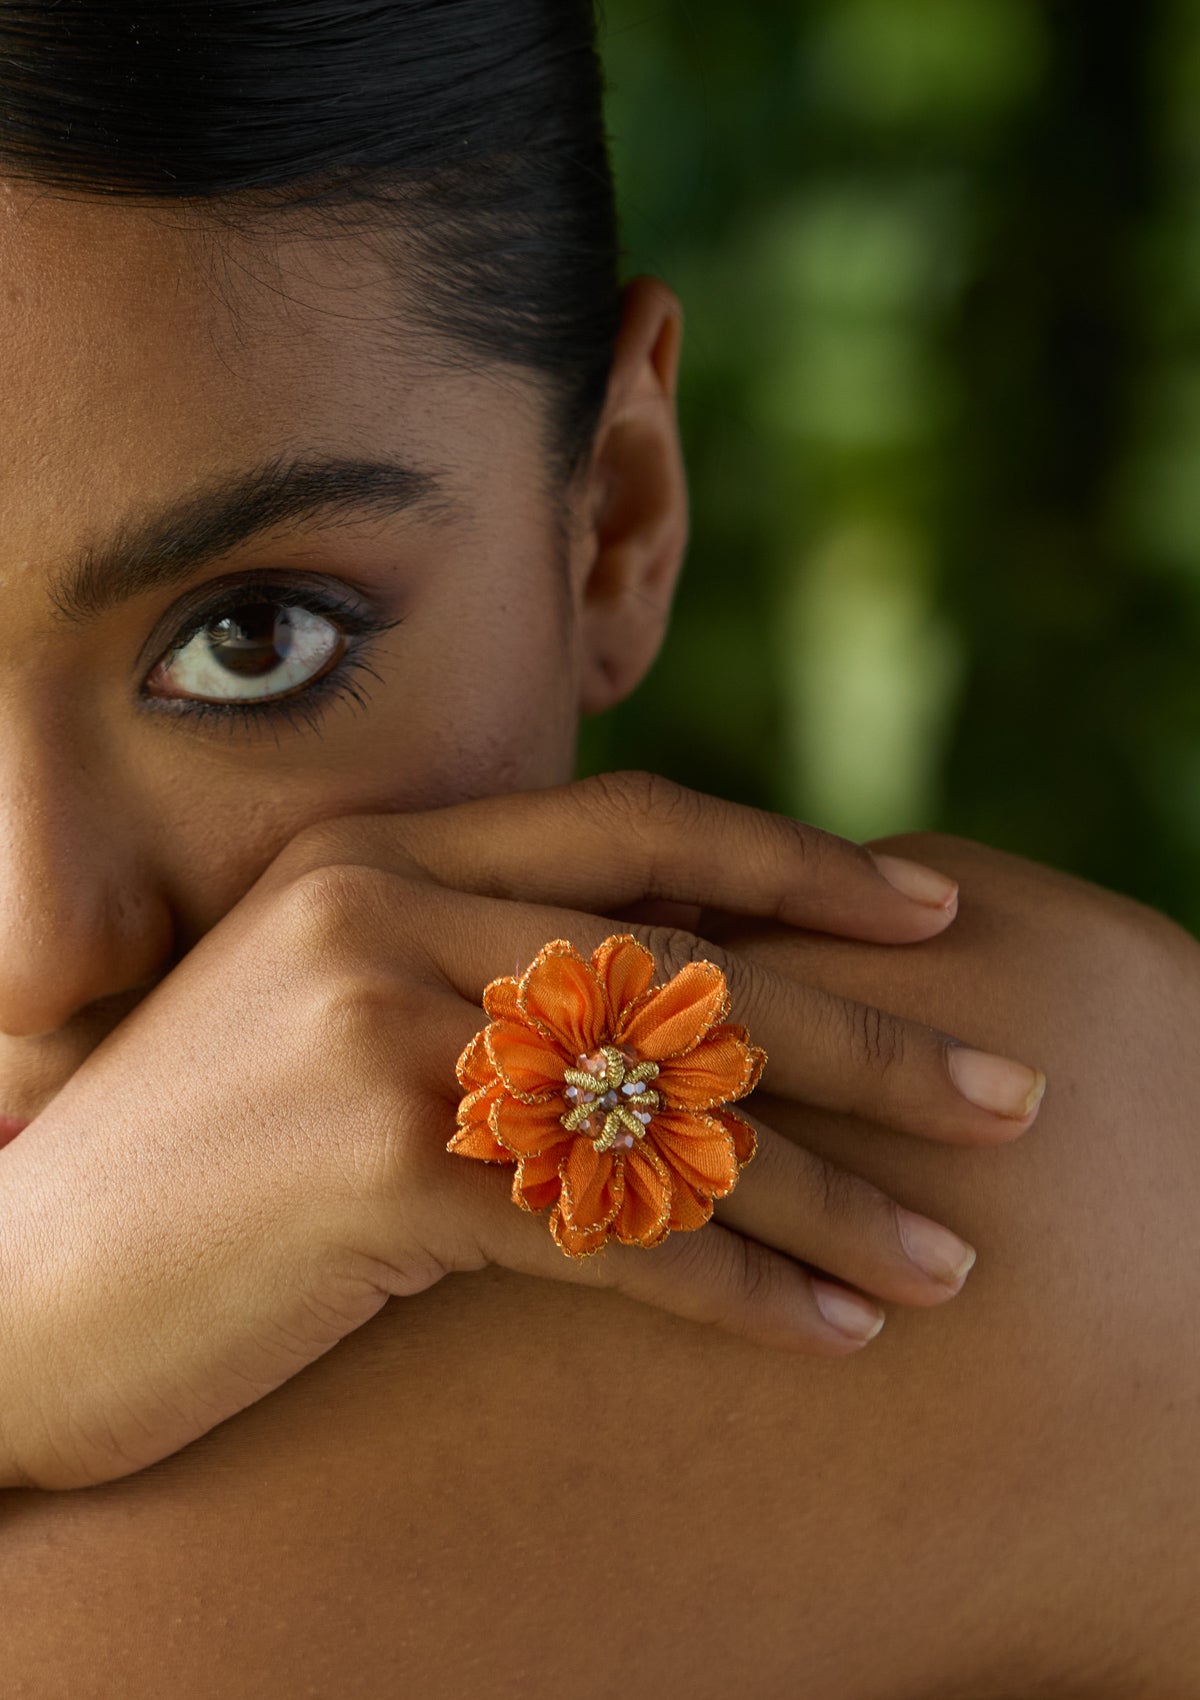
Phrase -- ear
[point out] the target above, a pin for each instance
(627, 555)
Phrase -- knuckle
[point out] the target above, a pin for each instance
(321, 908)
(876, 1039)
(652, 815)
(853, 1210)
(777, 854)
(328, 922)
(311, 847)
(746, 984)
(719, 1280)
(675, 949)
(838, 1191)
(755, 1273)
(669, 947)
(376, 1018)
(815, 846)
(666, 802)
(801, 841)
(621, 793)
(640, 797)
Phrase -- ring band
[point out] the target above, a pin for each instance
(608, 1092)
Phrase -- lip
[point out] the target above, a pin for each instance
(10, 1127)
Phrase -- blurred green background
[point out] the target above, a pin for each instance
(940, 262)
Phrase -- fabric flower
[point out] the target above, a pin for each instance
(607, 1091)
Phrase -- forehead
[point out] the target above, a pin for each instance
(143, 348)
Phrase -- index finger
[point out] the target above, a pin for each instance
(617, 839)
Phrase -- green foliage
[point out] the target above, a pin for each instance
(940, 264)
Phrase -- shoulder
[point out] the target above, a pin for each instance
(1031, 893)
(1072, 1332)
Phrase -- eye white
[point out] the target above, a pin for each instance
(208, 664)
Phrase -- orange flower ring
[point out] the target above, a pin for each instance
(607, 1092)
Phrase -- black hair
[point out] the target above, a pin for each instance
(469, 132)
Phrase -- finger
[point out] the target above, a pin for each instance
(720, 1279)
(799, 1203)
(796, 1202)
(821, 1049)
(623, 838)
(711, 1275)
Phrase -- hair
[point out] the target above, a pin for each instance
(469, 133)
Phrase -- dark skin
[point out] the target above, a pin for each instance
(958, 1510)
(141, 834)
(995, 1499)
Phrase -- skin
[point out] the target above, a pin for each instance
(994, 1499)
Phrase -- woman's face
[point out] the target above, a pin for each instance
(227, 469)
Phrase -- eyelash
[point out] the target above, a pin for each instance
(309, 703)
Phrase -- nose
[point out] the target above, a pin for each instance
(80, 916)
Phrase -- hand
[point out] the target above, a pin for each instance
(247, 1168)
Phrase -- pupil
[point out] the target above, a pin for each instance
(251, 641)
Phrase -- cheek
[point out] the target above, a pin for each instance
(480, 699)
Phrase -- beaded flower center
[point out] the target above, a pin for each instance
(609, 1099)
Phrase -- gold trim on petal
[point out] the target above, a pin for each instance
(557, 1229)
(660, 1228)
(567, 1201)
(541, 1097)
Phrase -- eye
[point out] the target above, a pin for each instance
(260, 653)
(252, 652)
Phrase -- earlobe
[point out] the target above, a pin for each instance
(638, 502)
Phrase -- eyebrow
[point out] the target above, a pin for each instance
(163, 548)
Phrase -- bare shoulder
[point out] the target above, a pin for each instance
(1078, 1319)
(1031, 893)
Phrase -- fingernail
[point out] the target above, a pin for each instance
(996, 1083)
(846, 1312)
(917, 881)
(935, 1249)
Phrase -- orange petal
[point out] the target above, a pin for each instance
(757, 1054)
(474, 1137)
(699, 1149)
(561, 995)
(669, 1020)
(476, 1141)
(536, 1183)
(644, 1216)
(527, 1063)
(625, 969)
(574, 1242)
(529, 1129)
(689, 1209)
(592, 1186)
(500, 998)
(745, 1140)
(476, 1107)
(473, 1067)
(719, 1068)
